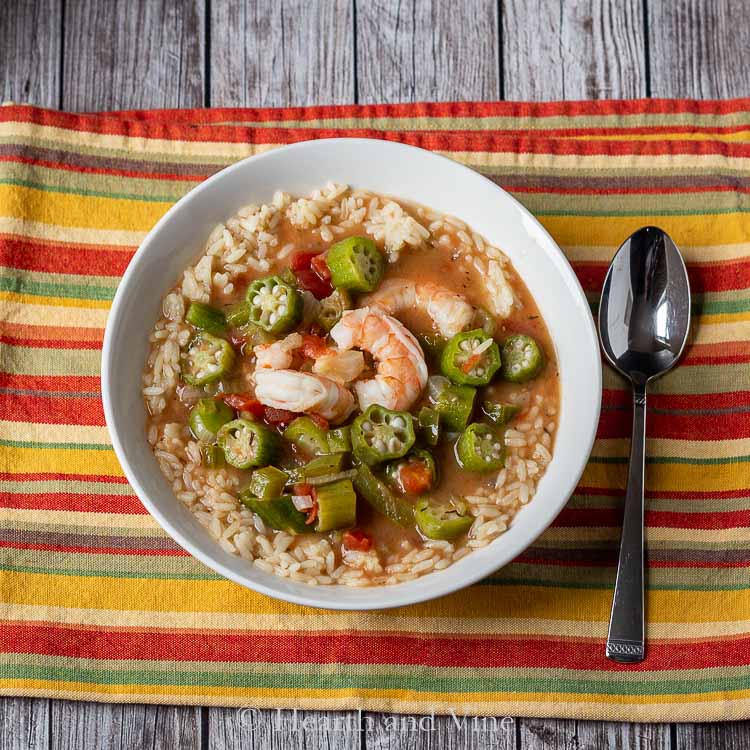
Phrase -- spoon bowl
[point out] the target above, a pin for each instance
(645, 310)
(644, 319)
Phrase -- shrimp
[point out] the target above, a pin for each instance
(401, 370)
(334, 364)
(450, 312)
(303, 392)
(279, 354)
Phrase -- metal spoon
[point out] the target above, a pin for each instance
(644, 319)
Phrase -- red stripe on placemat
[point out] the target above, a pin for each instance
(52, 410)
(612, 517)
(62, 383)
(57, 257)
(432, 140)
(72, 501)
(365, 648)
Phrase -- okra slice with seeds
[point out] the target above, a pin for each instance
(417, 468)
(275, 305)
(522, 358)
(331, 308)
(356, 264)
(442, 521)
(206, 359)
(247, 444)
(480, 448)
(380, 434)
(470, 358)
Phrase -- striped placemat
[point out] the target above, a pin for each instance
(97, 603)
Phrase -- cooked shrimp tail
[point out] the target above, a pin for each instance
(401, 372)
(303, 392)
(449, 311)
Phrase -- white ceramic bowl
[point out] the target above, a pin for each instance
(384, 167)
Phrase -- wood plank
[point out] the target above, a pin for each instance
(698, 48)
(268, 729)
(594, 735)
(427, 50)
(592, 49)
(24, 724)
(277, 53)
(137, 54)
(30, 57)
(563, 734)
(397, 732)
(546, 734)
(105, 726)
(732, 735)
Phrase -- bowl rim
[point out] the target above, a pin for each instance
(395, 597)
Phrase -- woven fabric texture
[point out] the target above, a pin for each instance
(97, 603)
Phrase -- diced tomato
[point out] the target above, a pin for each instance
(313, 346)
(415, 478)
(312, 514)
(319, 265)
(356, 539)
(471, 363)
(309, 280)
(322, 422)
(278, 416)
(237, 340)
(244, 402)
(302, 488)
(302, 261)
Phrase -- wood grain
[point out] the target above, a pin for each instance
(135, 54)
(107, 726)
(30, 52)
(394, 732)
(427, 50)
(24, 723)
(257, 729)
(591, 735)
(590, 49)
(274, 53)
(699, 48)
(728, 736)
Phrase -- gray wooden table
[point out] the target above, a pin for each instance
(99, 55)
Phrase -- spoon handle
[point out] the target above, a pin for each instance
(625, 640)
